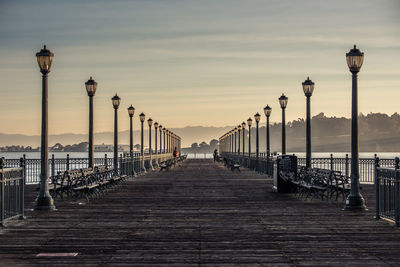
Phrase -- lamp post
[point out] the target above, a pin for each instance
(355, 201)
(308, 88)
(164, 130)
(44, 201)
(167, 134)
(267, 112)
(249, 122)
(160, 132)
(235, 137)
(155, 143)
(142, 117)
(150, 123)
(131, 112)
(283, 102)
(257, 118)
(91, 86)
(244, 133)
(116, 100)
(239, 127)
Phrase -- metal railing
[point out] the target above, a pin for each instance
(366, 165)
(387, 192)
(56, 165)
(11, 193)
(263, 165)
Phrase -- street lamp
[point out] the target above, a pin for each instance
(249, 122)
(155, 143)
(44, 200)
(308, 88)
(283, 102)
(150, 123)
(91, 86)
(116, 100)
(142, 117)
(244, 133)
(267, 112)
(257, 118)
(234, 135)
(131, 112)
(167, 136)
(354, 201)
(164, 130)
(160, 130)
(239, 127)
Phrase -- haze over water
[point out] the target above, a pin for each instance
(193, 62)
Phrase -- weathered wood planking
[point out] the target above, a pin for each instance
(201, 214)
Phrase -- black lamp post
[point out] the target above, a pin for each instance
(283, 102)
(131, 112)
(308, 88)
(167, 134)
(235, 137)
(257, 118)
(116, 100)
(267, 112)
(91, 86)
(142, 117)
(249, 122)
(239, 130)
(155, 143)
(244, 133)
(164, 131)
(44, 201)
(160, 131)
(150, 123)
(355, 201)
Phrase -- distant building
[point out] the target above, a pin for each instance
(103, 148)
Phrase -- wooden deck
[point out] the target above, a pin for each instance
(200, 214)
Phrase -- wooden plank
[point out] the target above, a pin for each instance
(200, 214)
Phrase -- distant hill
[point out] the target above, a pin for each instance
(378, 132)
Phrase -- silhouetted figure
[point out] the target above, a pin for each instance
(175, 153)
(215, 154)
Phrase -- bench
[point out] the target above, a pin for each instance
(86, 183)
(323, 183)
(165, 165)
(231, 164)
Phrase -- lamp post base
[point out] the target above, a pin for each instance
(45, 203)
(355, 203)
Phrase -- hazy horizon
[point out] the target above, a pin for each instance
(193, 63)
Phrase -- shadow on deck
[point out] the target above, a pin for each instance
(201, 214)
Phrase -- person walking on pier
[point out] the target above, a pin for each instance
(215, 154)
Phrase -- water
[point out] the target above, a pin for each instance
(36, 155)
(57, 155)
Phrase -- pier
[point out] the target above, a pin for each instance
(199, 214)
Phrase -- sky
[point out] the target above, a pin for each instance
(193, 63)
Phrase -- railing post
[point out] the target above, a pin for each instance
(24, 158)
(377, 182)
(21, 189)
(67, 167)
(396, 193)
(53, 167)
(119, 167)
(331, 162)
(2, 165)
(347, 165)
(105, 160)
